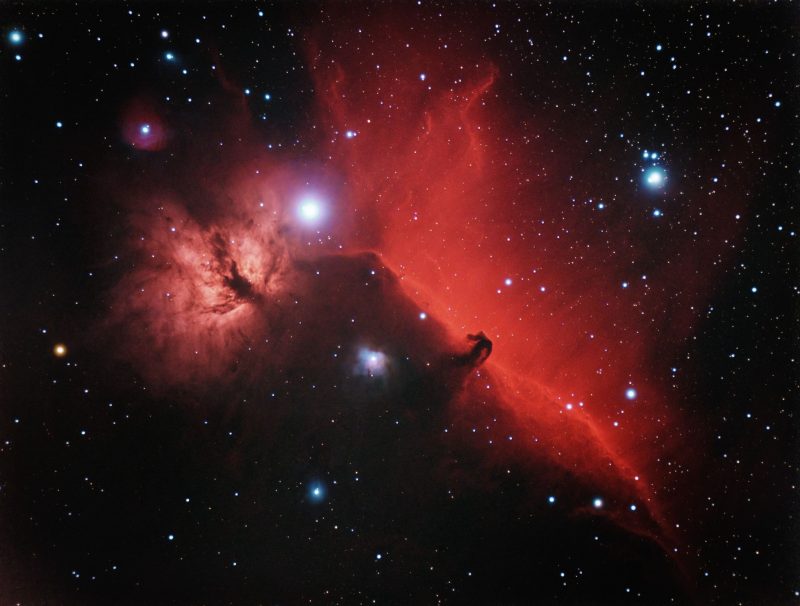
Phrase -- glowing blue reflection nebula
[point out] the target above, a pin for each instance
(372, 363)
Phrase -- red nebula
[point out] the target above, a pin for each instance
(206, 285)
(472, 202)
(465, 199)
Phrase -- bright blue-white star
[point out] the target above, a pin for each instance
(551, 500)
(657, 213)
(144, 129)
(169, 56)
(310, 211)
(316, 492)
(630, 393)
(598, 503)
(16, 37)
(655, 177)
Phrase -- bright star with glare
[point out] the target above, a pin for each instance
(598, 503)
(655, 177)
(169, 56)
(551, 500)
(310, 210)
(316, 492)
(164, 34)
(630, 393)
(144, 129)
(60, 350)
(16, 37)
(422, 315)
(350, 134)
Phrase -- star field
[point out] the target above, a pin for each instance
(399, 303)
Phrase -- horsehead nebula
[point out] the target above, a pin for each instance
(401, 304)
(226, 279)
